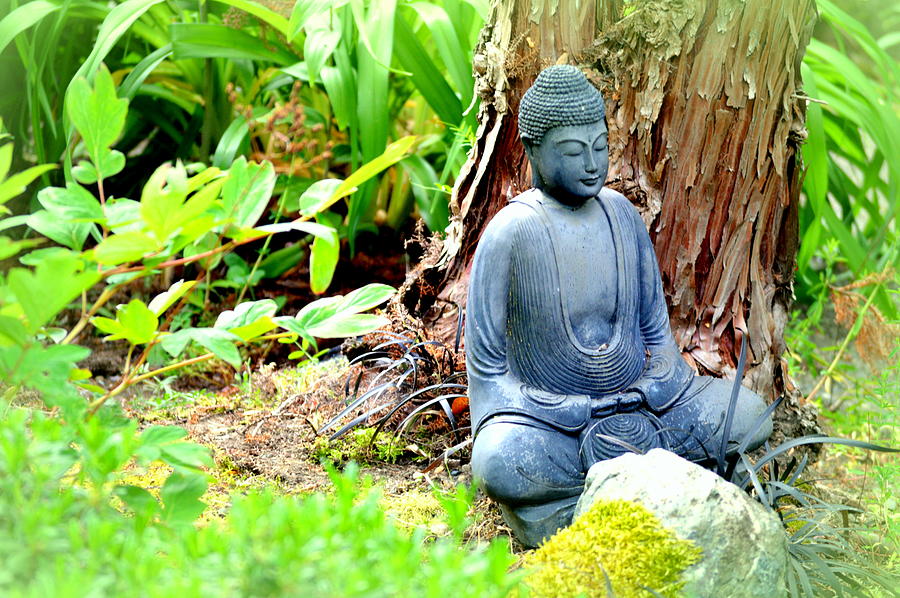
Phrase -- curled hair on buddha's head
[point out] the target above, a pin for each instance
(560, 96)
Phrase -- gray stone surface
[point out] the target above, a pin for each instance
(744, 544)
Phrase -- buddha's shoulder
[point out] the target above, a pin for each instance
(620, 202)
(520, 210)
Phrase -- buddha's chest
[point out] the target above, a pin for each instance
(585, 253)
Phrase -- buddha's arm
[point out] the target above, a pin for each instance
(665, 374)
(493, 389)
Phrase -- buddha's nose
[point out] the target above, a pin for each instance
(590, 162)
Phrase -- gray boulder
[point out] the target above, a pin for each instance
(744, 544)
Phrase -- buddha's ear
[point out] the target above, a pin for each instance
(529, 147)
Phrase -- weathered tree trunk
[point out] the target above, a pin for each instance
(705, 120)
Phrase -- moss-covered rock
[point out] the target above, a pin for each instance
(616, 542)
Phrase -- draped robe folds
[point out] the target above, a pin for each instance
(522, 356)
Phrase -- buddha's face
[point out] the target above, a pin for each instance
(571, 162)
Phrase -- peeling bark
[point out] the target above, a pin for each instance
(705, 125)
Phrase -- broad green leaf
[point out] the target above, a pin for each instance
(132, 83)
(140, 501)
(166, 299)
(134, 322)
(261, 12)
(312, 228)
(311, 314)
(72, 202)
(114, 26)
(206, 40)
(9, 248)
(70, 234)
(249, 319)
(341, 326)
(12, 331)
(162, 198)
(22, 18)
(124, 247)
(98, 114)
(54, 283)
(247, 191)
(318, 196)
(426, 75)
(156, 435)
(341, 93)
(246, 313)
(17, 183)
(457, 60)
(365, 298)
(6, 154)
(391, 155)
(181, 495)
(323, 257)
(304, 10)
(318, 48)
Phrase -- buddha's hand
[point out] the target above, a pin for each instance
(620, 402)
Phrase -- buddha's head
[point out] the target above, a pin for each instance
(562, 122)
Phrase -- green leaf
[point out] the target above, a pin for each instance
(457, 61)
(54, 283)
(247, 191)
(366, 297)
(132, 83)
(73, 202)
(205, 40)
(318, 48)
(9, 248)
(261, 12)
(318, 196)
(124, 247)
(22, 18)
(219, 342)
(342, 326)
(341, 93)
(323, 259)
(114, 26)
(304, 10)
(98, 114)
(158, 435)
(18, 183)
(426, 75)
(12, 331)
(392, 154)
(249, 319)
(166, 299)
(181, 498)
(141, 502)
(134, 322)
(162, 198)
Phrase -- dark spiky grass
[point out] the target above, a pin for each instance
(404, 384)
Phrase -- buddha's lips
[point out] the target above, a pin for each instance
(590, 181)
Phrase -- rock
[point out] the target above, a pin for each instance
(744, 544)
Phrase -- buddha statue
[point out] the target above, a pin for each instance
(569, 352)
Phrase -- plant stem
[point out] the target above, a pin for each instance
(105, 296)
(850, 336)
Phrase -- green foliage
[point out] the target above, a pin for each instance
(361, 446)
(615, 544)
(60, 533)
(852, 183)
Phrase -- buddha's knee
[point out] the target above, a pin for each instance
(493, 463)
(519, 464)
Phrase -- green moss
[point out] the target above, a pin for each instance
(357, 445)
(626, 540)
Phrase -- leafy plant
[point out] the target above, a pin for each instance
(852, 184)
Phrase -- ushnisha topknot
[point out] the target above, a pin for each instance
(560, 96)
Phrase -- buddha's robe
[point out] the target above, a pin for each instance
(566, 310)
(523, 356)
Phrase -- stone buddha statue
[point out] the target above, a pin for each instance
(570, 356)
